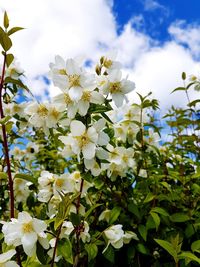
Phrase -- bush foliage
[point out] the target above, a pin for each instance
(89, 180)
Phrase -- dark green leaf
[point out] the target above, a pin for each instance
(143, 231)
(109, 254)
(189, 255)
(9, 59)
(41, 254)
(5, 41)
(196, 246)
(156, 219)
(114, 214)
(91, 210)
(14, 29)
(92, 251)
(168, 247)
(26, 177)
(179, 217)
(142, 249)
(65, 249)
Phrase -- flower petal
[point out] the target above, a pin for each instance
(89, 151)
(77, 128)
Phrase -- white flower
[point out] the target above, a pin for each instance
(76, 180)
(68, 228)
(115, 235)
(84, 235)
(25, 231)
(128, 236)
(71, 78)
(89, 96)
(14, 70)
(154, 138)
(44, 115)
(65, 100)
(108, 61)
(117, 88)
(5, 259)
(105, 215)
(93, 166)
(21, 189)
(82, 140)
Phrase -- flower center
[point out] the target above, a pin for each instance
(115, 87)
(54, 113)
(86, 96)
(67, 99)
(77, 175)
(42, 110)
(59, 182)
(83, 140)
(107, 63)
(74, 80)
(27, 228)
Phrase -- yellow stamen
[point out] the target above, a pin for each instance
(115, 87)
(27, 227)
(86, 96)
(74, 80)
(42, 110)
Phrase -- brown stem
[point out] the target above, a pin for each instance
(79, 197)
(7, 159)
(5, 145)
(56, 244)
(78, 231)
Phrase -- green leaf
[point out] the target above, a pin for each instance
(63, 209)
(14, 29)
(9, 59)
(26, 177)
(5, 120)
(179, 217)
(16, 82)
(168, 247)
(91, 210)
(109, 254)
(75, 218)
(160, 211)
(156, 219)
(143, 231)
(41, 254)
(178, 89)
(196, 246)
(6, 20)
(132, 207)
(142, 249)
(189, 255)
(106, 117)
(149, 197)
(5, 41)
(65, 249)
(114, 214)
(92, 251)
(3, 176)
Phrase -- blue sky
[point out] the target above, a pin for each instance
(156, 40)
(157, 15)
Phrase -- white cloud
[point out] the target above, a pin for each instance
(187, 34)
(150, 5)
(88, 28)
(159, 70)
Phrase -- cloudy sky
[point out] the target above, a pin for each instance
(155, 39)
